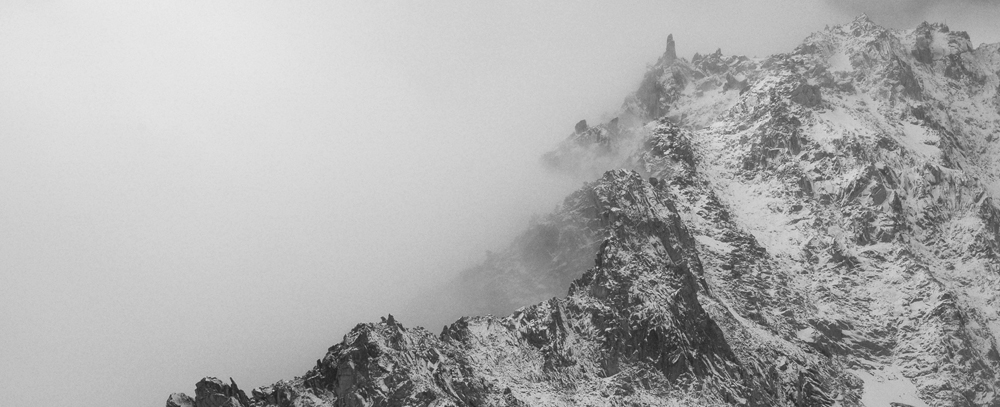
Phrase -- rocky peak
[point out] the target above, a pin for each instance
(863, 23)
(671, 53)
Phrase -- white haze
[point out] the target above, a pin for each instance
(224, 188)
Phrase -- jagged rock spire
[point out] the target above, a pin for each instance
(864, 21)
(671, 53)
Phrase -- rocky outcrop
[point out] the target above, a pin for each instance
(922, 45)
(180, 400)
(807, 95)
(661, 86)
(211, 392)
(671, 53)
(587, 153)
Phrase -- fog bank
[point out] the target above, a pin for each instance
(225, 188)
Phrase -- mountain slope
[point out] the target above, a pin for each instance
(814, 228)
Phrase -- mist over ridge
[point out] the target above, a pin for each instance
(195, 189)
(812, 228)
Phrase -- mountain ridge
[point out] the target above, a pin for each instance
(812, 228)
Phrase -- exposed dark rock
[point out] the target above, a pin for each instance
(903, 74)
(807, 95)
(581, 126)
(212, 392)
(922, 49)
(671, 53)
(180, 400)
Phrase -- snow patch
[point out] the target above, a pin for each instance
(887, 386)
(920, 140)
(840, 61)
(834, 124)
(806, 335)
(759, 211)
(714, 245)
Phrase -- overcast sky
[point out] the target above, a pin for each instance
(224, 188)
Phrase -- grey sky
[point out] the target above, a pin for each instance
(225, 188)
(966, 15)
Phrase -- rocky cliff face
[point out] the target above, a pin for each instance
(815, 228)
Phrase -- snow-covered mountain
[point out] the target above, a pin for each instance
(814, 228)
